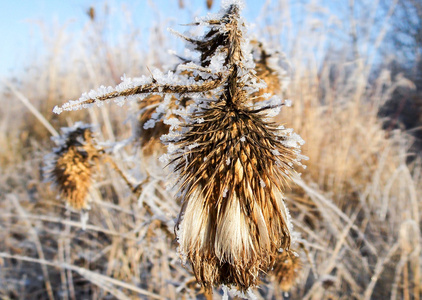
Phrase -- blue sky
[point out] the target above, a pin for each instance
(20, 26)
(25, 23)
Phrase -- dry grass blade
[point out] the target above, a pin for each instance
(327, 203)
(74, 224)
(14, 200)
(63, 278)
(94, 277)
(378, 270)
(332, 263)
(31, 108)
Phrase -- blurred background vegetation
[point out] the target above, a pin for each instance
(355, 72)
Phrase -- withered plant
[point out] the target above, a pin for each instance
(231, 161)
(71, 165)
(286, 269)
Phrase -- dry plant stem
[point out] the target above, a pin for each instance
(61, 255)
(406, 295)
(96, 278)
(156, 88)
(94, 193)
(309, 232)
(71, 223)
(325, 202)
(345, 274)
(68, 256)
(134, 189)
(31, 108)
(334, 256)
(401, 268)
(12, 198)
(106, 120)
(415, 266)
(310, 258)
(410, 183)
(113, 291)
(208, 294)
(109, 205)
(379, 267)
(112, 256)
(339, 245)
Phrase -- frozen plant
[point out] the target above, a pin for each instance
(71, 164)
(232, 162)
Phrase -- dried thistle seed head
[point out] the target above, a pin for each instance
(153, 121)
(268, 68)
(286, 269)
(70, 166)
(233, 215)
(216, 41)
(232, 165)
(270, 77)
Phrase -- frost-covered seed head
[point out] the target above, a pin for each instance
(71, 164)
(231, 161)
(233, 166)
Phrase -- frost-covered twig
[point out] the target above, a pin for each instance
(125, 90)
